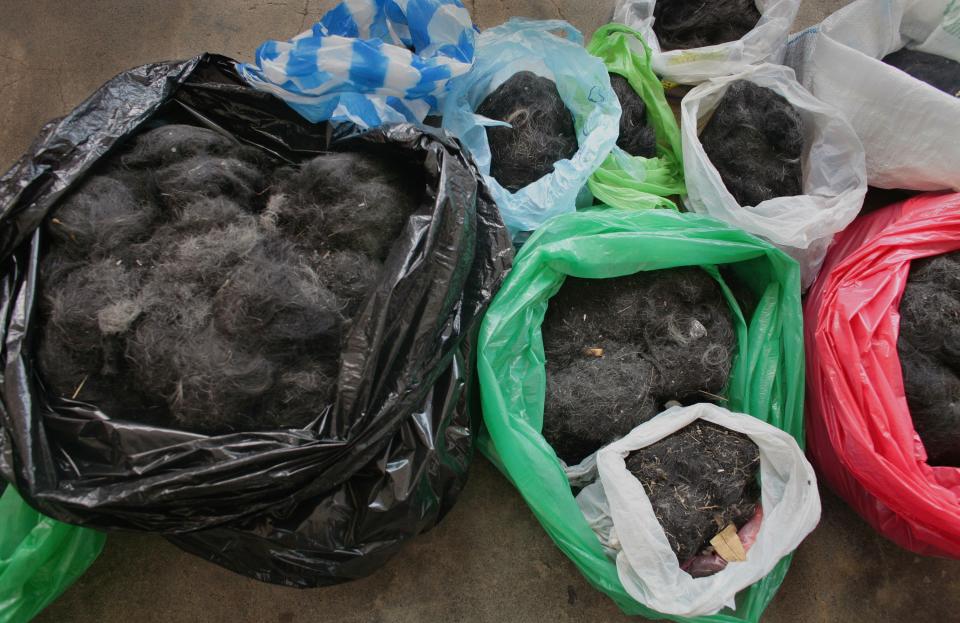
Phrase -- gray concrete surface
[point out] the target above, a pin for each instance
(489, 561)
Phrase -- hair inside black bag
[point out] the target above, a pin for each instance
(937, 71)
(107, 216)
(196, 285)
(542, 131)
(346, 202)
(700, 479)
(685, 24)
(636, 137)
(929, 350)
(755, 141)
(175, 143)
(619, 349)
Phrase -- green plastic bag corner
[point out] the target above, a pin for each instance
(39, 558)
(625, 181)
(766, 379)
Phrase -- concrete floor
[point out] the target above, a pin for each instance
(489, 560)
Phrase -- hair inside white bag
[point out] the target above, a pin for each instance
(834, 176)
(618, 509)
(908, 128)
(764, 43)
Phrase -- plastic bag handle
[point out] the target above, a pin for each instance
(623, 28)
(613, 27)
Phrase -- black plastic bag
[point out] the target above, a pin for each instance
(384, 462)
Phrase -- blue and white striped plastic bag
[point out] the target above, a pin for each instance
(369, 61)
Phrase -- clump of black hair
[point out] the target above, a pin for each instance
(636, 138)
(699, 480)
(298, 393)
(937, 71)
(204, 176)
(175, 143)
(619, 349)
(69, 374)
(596, 399)
(81, 348)
(208, 384)
(929, 349)
(685, 24)
(346, 202)
(755, 141)
(349, 275)
(184, 287)
(274, 301)
(541, 130)
(104, 215)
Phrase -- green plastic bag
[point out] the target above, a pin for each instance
(766, 379)
(39, 558)
(625, 181)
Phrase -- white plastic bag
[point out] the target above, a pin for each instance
(765, 43)
(620, 512)
(909, 129)
(584, 86)
(834, 177)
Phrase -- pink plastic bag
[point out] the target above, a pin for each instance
(859, 431)
(707, 564)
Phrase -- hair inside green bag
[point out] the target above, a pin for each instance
(766, 379)
(618, 350)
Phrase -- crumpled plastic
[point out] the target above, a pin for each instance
(325, 504)
(766, 379)
(860, 433)
(623, 180)
(834, 177)
(908, 128)
(647, 567)
(39, 557)
(369, 62)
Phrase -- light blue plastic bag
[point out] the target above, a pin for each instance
(369, 61)
(584, 85)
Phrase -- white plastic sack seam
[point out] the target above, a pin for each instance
(765, 43)
(584, 86)
(834, 175)
(617, 507)
(909, 129)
